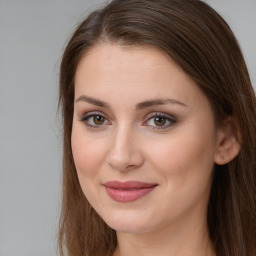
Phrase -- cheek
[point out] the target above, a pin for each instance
(86, 153)
(189, 153)
(185, 162)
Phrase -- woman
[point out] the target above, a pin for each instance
(159, 134)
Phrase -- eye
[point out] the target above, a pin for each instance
(98, 120)
(160, 121)
(95, 120)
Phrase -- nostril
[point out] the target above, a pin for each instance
(125, 162)
(124, 153)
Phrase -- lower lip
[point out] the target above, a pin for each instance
(128, 195)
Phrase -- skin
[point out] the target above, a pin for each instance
(178, 154)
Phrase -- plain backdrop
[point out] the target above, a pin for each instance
(33, 34)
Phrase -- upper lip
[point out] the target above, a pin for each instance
(128, 184)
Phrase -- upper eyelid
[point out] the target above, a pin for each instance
(92, 113)
(157, 113)
(146, 117)
(171, 118)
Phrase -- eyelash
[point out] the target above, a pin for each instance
(86, 118)
(167, 118)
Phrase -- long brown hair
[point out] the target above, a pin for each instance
(201, 42)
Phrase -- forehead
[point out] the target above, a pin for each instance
(119, 57)
(133, 71)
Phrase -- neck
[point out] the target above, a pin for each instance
(181, 239)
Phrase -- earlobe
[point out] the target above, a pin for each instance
(228, 144)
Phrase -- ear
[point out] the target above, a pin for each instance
(228, 142)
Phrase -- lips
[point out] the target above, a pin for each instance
(128, 191)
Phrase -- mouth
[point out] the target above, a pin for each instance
(128, 191)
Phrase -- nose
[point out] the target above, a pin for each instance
(124, 153)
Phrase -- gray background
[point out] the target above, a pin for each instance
(32, 37)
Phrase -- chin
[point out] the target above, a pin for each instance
(128, 227)
(129, 222)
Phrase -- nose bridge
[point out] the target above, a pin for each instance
(123, 152)
(121, 138)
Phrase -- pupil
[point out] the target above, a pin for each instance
(98, 119)
(160, 121)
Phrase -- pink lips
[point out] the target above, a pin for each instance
(128, 191)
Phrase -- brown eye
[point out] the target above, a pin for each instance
(95, 120)
(98, 120)
(160, 120)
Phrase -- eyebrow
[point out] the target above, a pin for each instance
(92, 101)
(139, 106)
(150, 103)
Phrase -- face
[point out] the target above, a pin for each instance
(143, 139)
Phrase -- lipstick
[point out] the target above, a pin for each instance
(128, 191)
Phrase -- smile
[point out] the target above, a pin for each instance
(128, 191)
